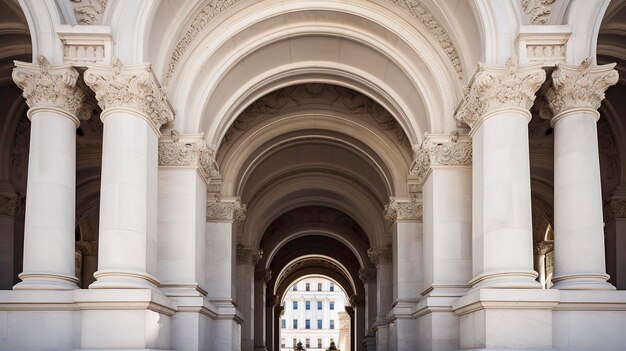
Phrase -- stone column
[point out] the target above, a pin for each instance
(247, 258)
(133, 109)
(11, 225)
(357, 325)
(496, 109)
(540, 249)
(615, 219)
(55, 104)
(574, 97)
(382, 257)
(368, 277)
(261, 278)
(186, 165)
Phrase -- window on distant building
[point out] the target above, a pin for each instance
(331, 305)
(282, 343)
(307, 287)
(332, 286)
(319, 343)
(319, 286)
(295, 287)
(295, 342)
(319, 324)
(295, 324)
(283, 324)
(319, 305)
(332, 324)
(295, 305)
(307, 324)
(307, 343)
(307, 305)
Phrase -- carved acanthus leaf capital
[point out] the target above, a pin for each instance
(50, 86)
(12, 204)
(498, 87)
(381, 255)
(367, 274)
(356, 301)
(248, 255)
(130, 87)
(264, 274)
(226, 210)
(615, 208)
(542, 247)
(398, 210)
(580, 86)
(87, 248)
(438, 151)
(188, 151)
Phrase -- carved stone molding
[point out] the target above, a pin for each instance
(248, 255)
(614, 208)
(227, 210)
(538, 11)
(397, 210)
(50, 86)
(130, 87)
(263, 274)
(542, 247)
(188, 151)
(381, 256)
(82, 46)
(87, 248)
(12, 205)
(546, 47)
(356, 301)
(367, 274)
(440, 151)
(579, 86)
(496, 87)
(88, 11)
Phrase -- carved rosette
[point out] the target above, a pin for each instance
(229, 211)
(50, 86)
(130, 87)
(381, 256)
(397, 210)
(496, 87)
(248, 255)
(367, 274)
(438, 151)
(579, 86)
(263, 274)
(542, 247)
(175, 152)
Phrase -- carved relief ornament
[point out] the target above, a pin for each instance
(248, 255)
(398, 210)
(538, 11)
(50, 86)
(367, 274)
(439, 151)
(263, 274)
(88, 12)
(177, 151)
(615, 208)
(130, 87)
(12, 205)
(496, 88)
(381, 256)
(579, 86)
(542, 247)
(230, 211)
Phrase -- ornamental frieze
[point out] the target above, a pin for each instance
(188, 152)
(129, 87)
(499, 87)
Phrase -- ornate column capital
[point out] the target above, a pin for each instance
(87, 248)
(231, 210)
(583, 86)
(12, 204)
(439, 151)
(381, 256)
(130, 88)
(402, 210)
(542, 247)
(248, 255)
(263, 274)
(495, 88)
(614, 208)
(54, 87)
(356, 301)
(367, 274)
(188, 151)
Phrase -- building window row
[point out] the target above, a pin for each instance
(307, 287)
(307, 324)
(307, 305)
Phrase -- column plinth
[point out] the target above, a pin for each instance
(56, 104)
(575, 96)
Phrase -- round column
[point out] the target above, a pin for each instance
(49, 229)
(134, 108)
(496, 109)
(575, 96)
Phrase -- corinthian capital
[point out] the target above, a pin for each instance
(50, 86)
(542, 247)
(381, 255)
(130, 87)
(398, 210)
(248, 255)
(226, 210)
(579, 86)
(440, 151)
(188, 151)
(367, 274)
(496, 87)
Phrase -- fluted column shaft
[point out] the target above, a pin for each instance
(55, 102)
(134, 108)
(576, 94)
(496, 108)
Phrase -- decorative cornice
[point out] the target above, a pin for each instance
(367, 274)
(496, 87)
(263, 274)
(398, 210)
(414, 7)
(230, 210)
(248, 255)
(579, 86)
(542, 247)
(130, 87)
(439, 151)
(188, 151)
(12, 205)
(50, 86)
(538, 11)
(88, 11)
(381, 256)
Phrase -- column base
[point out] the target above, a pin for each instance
(46, 281)
(506, 279)
(590, 281)
(117, 279)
